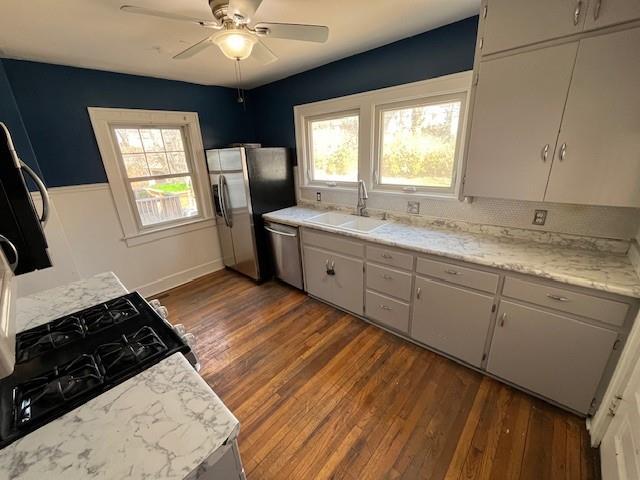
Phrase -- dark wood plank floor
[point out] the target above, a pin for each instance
(321, 394)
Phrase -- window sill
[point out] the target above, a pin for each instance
(418, 194)
(147, 236)
(337, 188)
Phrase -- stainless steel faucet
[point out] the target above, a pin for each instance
(361, 206)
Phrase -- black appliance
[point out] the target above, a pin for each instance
(64, 363)
(246, 183)
(21, 230)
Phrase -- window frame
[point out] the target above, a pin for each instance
(368, 139)
(381, 108)
(310, 164)
(129, 180)
(104, 122)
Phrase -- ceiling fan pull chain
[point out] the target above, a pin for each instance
(239, 82)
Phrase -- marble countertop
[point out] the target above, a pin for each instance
(164, 423)
(604, 271)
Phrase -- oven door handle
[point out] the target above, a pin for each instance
(46, 201)
(13, 265)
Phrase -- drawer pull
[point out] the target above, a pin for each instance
(503, 318)
(384, 307)
(557, 297)
(452, 272)
(387, 277)
(386, 255)
(331, 269)
(418, 293)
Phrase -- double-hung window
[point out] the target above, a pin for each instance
(156, 169)
(159, 173)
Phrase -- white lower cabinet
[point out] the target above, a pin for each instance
(335, 278)
(451, 319)
(387, 311)
(555, 356)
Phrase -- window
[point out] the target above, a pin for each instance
(333, 148)
(418, 143)
(402, 140)
(158, 173)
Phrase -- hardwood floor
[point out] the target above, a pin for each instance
(322, 394)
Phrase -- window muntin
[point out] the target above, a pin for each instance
(333, 147)
(158, 173)
(418, 144)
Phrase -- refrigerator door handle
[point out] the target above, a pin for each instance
(221, 200)
(224, 195)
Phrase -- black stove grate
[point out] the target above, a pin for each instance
(130, 351)
(51, 336)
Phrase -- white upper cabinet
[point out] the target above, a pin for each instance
(597, 159)
(603, 13)
(514, 23)
(516, 118)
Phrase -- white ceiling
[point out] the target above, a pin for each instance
(96, 34)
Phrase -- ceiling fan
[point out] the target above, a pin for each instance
(235, 36)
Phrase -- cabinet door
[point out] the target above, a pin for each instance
(453, 320)
(335, 278)
(514, 23)
(602, 13)
(552, 355)
(517, 114)
(601, 126)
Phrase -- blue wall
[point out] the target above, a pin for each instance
(53, 101)
(50, 101)
(10, 116)
(442, 51)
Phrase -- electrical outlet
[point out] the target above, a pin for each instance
(318, 196)
(413, 207)
(539, 217)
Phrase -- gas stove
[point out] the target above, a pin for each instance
(69, 361)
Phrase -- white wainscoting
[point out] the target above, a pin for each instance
(85, 237)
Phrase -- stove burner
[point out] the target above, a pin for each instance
(131, 350)
(34, 342)
(108, 314)
(39, 396)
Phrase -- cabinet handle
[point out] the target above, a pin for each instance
(576, 12)
(331, 270)
(452, 272)
(545, 152)
(596, 9)
(384, 307)
(563, 151)
(418, 292)
(386, 255)
(503, 318)
(387, 277)
(557, 297)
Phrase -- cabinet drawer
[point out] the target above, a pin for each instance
(343, 287)
(467, 277)
(388, 281)
(550, 354)
(334, 243)
(387, 311)
(390, 257)
(608, 311)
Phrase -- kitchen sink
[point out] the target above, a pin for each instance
(346, 222)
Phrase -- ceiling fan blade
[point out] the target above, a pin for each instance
(194, 49)
(171, 16)
(293, 31)
(244, 8)
(263, 54)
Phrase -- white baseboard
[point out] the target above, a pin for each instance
(179, 278)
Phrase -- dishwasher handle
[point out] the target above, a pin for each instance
(280, 233)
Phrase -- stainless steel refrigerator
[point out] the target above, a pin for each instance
(247, 182)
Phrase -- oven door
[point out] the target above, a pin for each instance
(21, 224)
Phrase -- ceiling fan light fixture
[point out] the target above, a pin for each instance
(235, 44)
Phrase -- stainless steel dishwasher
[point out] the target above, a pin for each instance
(285, 249)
